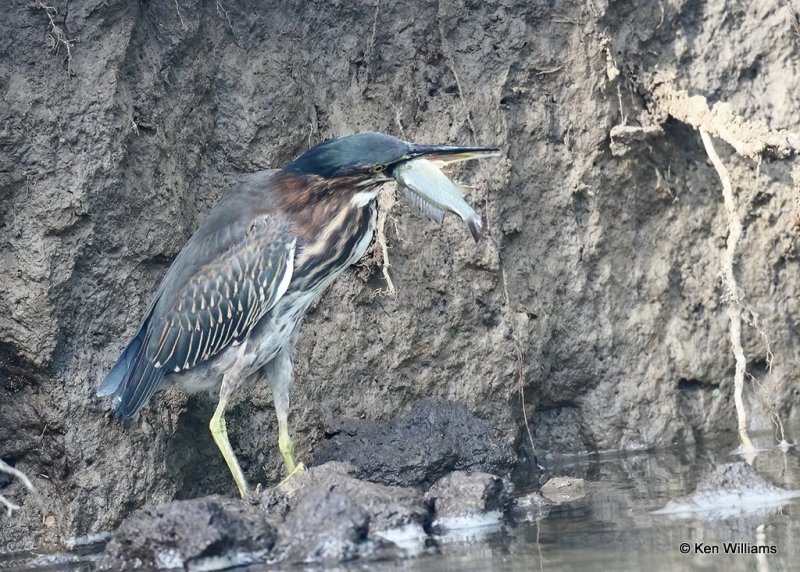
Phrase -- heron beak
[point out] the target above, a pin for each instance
(443, 155)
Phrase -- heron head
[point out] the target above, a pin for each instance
(369, 158)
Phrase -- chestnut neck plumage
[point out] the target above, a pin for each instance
(332, 230)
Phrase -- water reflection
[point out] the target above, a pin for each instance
(614, 528)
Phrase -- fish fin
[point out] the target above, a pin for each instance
(432, 211)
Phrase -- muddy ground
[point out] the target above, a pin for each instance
(325, 516)
(599, 290)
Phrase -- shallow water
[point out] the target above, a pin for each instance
(613, 526)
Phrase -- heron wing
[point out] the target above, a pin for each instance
(222, 302)
(220, 285)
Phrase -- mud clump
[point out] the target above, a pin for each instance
(326, 527)
(460, 498)
(736, 476)
(732, 490)
(389, 507)
(434, 439)
(338, 511)
(184, 534)
(324, 515)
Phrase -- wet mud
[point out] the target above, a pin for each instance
(325, 515)
(432, 440)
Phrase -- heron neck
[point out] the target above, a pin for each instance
(312, 202)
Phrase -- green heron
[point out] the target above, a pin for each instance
(229, 308)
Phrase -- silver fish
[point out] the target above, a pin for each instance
(428, 189)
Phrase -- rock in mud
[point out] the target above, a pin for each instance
(211, 531)
(435, 438)
(325, 527)
(564, 489)
(531, 507)
(324, 515)
(462, 493)
(730, 491)
(468, 506)
(389, 507)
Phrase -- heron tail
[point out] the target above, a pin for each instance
(117, 374)
(133, 379)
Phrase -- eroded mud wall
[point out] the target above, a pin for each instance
(602, 271)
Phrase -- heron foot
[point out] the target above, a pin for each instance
(298, 468)
(286, 447)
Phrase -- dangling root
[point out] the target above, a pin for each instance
(753, 140)
(6, 468)
(386, 201)
(734, 303)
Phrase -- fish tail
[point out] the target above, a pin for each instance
(477, 227)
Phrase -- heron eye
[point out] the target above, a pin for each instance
(377, 168)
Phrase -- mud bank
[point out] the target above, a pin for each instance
(325, 516)
(598, 291)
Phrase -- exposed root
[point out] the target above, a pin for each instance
(755, 321)
(178, 10)
(451, 63)
(371, 42)
(10, 506)
(6, 468)
(734, 309)
(57, 36)
(521, 389)
(398, 117)
(386, 200)
(221, 10)
(770, 401)
(751, 139)
(766, 387)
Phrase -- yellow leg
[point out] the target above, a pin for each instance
(220, 434)
(286, 446)
(287, 451)
(279, 374)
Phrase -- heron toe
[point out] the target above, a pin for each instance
(298, 468)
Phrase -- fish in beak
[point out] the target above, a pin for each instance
(428, 188)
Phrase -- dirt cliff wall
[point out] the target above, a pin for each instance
(602, 271)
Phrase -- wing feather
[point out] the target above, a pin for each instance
(216, 304)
